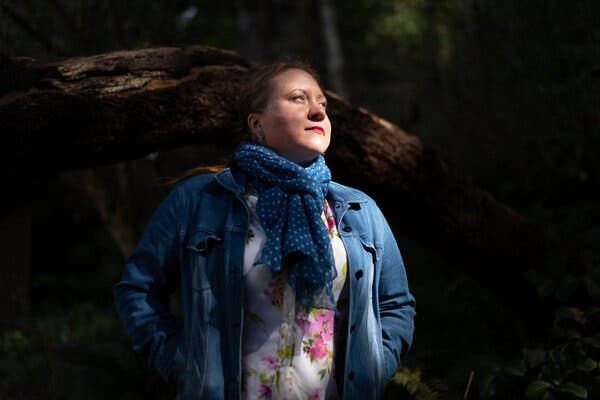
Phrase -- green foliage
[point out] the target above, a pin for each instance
(499, 88)
(505, 90)
(409, 384)
(81, 323)
(569, 369)
(14, 347)
(20, 363)
(13, 342)
(404, 21)
(79, 353)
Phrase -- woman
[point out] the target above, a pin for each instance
(292, 285)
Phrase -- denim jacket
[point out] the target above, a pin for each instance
(195, 240)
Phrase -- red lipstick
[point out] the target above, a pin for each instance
(317, 128)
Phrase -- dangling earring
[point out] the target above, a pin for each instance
(260, 137)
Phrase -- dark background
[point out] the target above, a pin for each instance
(506, 91)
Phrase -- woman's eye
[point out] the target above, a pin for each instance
(298, 98)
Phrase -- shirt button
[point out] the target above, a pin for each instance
(351, 375)
(352, 328)
(347, 229)
(359, 274)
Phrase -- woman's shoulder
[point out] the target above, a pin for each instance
(361, 200)
(202, 181)
(347, 193)
(196, 181)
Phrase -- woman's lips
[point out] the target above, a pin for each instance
(317, 128)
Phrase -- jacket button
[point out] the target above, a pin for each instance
(351, 376)
(359, 274)
(352, 328)
(347, 229)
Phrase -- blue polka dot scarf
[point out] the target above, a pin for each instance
(289, 208)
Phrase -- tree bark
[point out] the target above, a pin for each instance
(119, 106)
(334, 60)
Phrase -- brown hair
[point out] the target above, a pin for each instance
(257, 87)
(254, 96)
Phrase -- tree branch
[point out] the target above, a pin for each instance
(123, 105)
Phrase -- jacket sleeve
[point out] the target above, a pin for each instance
(142, 295)
(396, 304)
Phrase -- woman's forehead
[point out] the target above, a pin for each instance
(295, 78)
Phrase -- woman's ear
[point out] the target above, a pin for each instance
(254, 123)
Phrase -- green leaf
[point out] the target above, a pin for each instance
(486, 386)
(537, 388)
(516, 368)
(573, 389)
(573, 313)
(534, 357)
(587, 365)
(593, 341)
(567, 334)
(253, 317)
(13, 341)
(322, 373)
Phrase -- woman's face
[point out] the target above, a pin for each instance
(294, 123)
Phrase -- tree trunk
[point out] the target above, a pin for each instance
(119, 106)
(334, 61)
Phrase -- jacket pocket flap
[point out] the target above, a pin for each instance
(369, 246)
(200, 242)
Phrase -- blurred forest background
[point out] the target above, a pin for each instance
(506, 91)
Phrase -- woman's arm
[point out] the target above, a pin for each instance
(396, 303)
(150, 276)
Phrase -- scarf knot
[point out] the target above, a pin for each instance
(290, 203)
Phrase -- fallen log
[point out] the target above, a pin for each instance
(118, 106)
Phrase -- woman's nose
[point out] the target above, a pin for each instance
(316, 113)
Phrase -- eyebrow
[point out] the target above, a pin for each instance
(319, 96)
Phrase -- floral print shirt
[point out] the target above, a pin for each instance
(288, 349)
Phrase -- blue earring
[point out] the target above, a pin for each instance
(260, 137)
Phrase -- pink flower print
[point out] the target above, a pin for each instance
(330, 219)
(264, 392)
(316, 395)
(318, 350)
(330, 224)
(323, 325)
(271, 363)
(274, 293)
